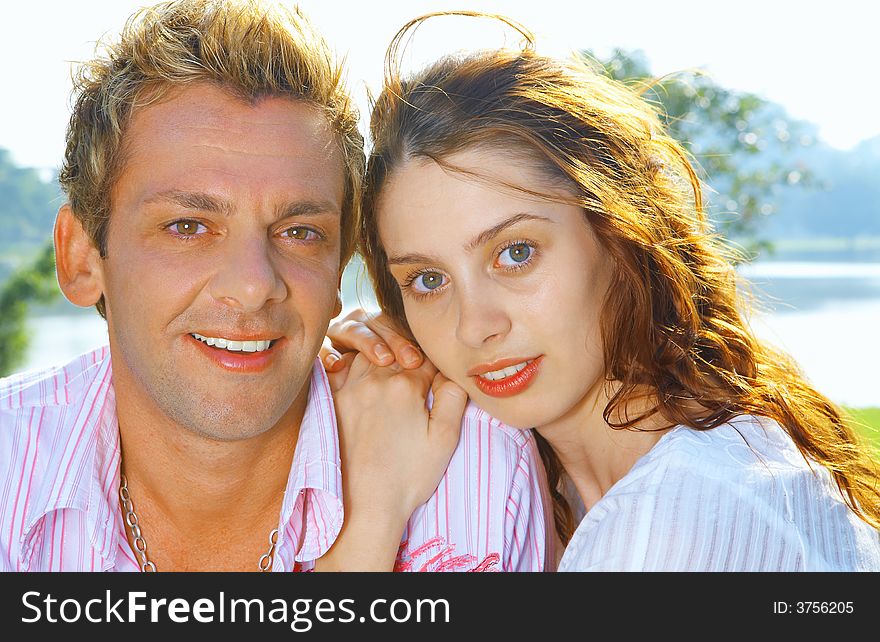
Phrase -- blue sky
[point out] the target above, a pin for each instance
(818, 59)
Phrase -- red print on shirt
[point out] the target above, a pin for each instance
(437, 556)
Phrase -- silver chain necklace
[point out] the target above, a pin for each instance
(140, 544)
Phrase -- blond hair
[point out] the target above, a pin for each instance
(251, 49)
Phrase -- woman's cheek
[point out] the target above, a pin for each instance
(425, 331)
(435, 339)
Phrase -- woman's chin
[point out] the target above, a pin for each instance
(516, 413)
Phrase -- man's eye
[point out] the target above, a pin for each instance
(428, 281)
(515, 254)
(301, 233)
(187, 227)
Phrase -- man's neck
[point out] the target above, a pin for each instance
(204, 503)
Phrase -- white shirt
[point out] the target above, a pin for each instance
(59, 485)
(708, 501)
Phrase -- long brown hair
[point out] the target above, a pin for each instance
(673, 320)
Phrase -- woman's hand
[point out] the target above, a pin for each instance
(373, 335)
(394, 453)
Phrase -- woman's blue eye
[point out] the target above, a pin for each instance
(428, 281)
(515, 254)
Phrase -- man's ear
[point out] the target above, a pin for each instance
(77, 260)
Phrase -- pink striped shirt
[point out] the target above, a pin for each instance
(59, 484)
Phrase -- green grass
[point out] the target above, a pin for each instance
(868, 422)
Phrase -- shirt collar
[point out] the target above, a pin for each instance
(85, 457)
(312, 510)
(83, 468)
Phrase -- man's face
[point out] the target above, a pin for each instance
(222, 260)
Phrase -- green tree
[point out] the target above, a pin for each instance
(29, 284)
(745, 146)
(27, 206)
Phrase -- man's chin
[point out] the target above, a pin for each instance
(229, 413)
(208, 401)
(223, 421)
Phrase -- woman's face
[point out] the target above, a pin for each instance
(503, 291)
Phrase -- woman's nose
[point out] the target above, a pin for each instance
(481, 319)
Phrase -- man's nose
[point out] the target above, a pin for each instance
(481, 317)
(248, 277)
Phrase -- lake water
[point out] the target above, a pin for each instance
(827, 315)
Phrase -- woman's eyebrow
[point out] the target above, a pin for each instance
(478, 240)
(408, 259)
(495, 230)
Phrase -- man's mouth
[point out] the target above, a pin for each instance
(233, 345)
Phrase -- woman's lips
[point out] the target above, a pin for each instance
(512, 384)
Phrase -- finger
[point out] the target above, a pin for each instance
(363, 368)
(357, 314)
(356, 335)
(405, 352)
(444, 423)
(338, 377)
(424, 374)
(330, 357)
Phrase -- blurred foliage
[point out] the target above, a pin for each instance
(34, 283)
(27, 206)
(744, 145)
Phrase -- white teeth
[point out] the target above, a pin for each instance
(509, 371)
(235, 346)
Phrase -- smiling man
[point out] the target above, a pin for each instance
(213, 171)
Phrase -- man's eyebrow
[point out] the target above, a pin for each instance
(307, 208)
(208, 203)
(479, 239)
(193, 201)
